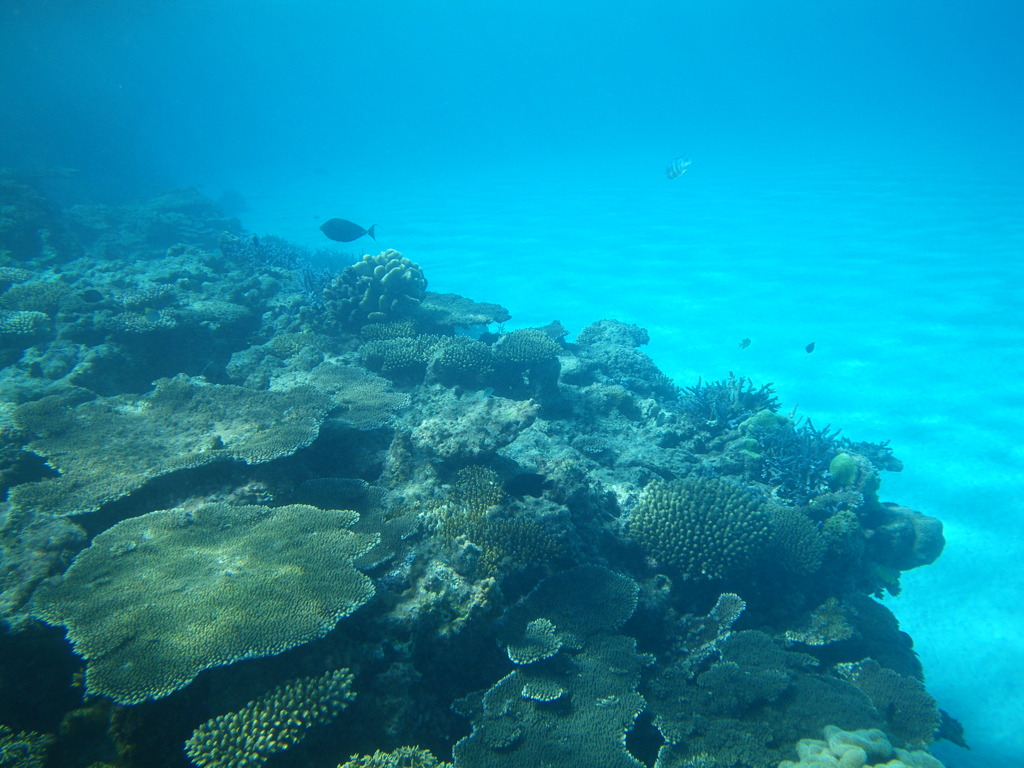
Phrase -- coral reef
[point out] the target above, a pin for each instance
(271, 724)
(156, 599)
(591, 564)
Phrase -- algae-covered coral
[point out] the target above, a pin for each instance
(526, 550)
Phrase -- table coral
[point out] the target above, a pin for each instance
(157, 599)
(108, 447)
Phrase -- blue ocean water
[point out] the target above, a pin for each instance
(856, 183)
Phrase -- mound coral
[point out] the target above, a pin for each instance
(378, 289)
(271, 724)
(703, 528)
(856, 749)
(157, 599)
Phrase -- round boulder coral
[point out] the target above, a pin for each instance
(704, 528)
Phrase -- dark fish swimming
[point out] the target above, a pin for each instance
(678, 167)
(809, 348)
(344, 231)
(744, 343)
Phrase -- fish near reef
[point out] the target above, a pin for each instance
(345, 231)
(678, 167)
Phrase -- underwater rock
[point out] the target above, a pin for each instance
(470, 428)
(156, 599)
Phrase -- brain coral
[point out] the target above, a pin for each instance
(701, 527)
(157, 599)
(108, 447)
(270, 724)
(377, 289)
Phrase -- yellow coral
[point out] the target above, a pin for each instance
(270, 724)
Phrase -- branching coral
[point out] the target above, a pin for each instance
(271, 724)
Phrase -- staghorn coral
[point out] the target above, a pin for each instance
(720, 405)
(461, 360)
(401, 359)
(108, 447)
(856, 749)
(270, 724)
(703, 528)
(19, 325)
(157, 599)
(403, 757)
(377, 289)
(34, 296)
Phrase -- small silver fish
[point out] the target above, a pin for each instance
(678, 167)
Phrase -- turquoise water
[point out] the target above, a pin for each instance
(856, 183)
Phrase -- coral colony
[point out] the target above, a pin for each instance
(254, 508)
